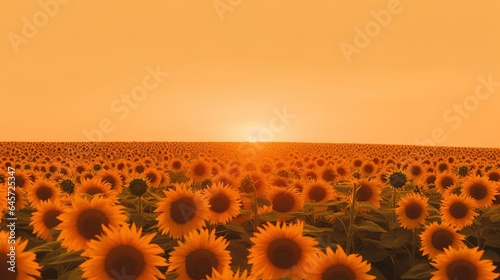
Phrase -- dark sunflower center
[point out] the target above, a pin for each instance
(494, 176)
(182, 210)
(341, 171)
(80, 169)
(152, 177)
(284, 253)
(416, 170)
(358, 163)
(443, 167)
(19, 181)
(199, 263)
(176, 164)
(44, 193)
(4, 265)
(90, 223)
(317, 193)
(110, 180)
(219, 203)
(328, 175)
(139, 169)
(447, 182)
(441, 239)
(124, 262)
(458, 210)
(338, 272)
(50, 218)
(368, 168)
(364, 193)
(413, 211)
(93, 190)
(280, 183)
(461, 270)
(478, 191)
(199, 170)
(431, 179)
(283, 202)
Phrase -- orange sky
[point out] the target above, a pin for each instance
(391, 72)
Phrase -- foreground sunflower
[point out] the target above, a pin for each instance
(227, 274)
(339, 265)
(481, 190)
(224, 203)
(285, 200)
(42, 190)
(463, 264)
(46, 218)
(26, 268)
(181, 211)
(123, 254)
(368, 191)
(86, 219)
(437, 237)
(202, 252)
(412, 211)
(281, 251)
(458, 210)
(96, 186)
(318, 191)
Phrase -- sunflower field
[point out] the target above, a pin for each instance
(137, 210)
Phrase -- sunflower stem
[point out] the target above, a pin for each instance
(255, 206)
(478, 229)
(139, 210)
(394, 200)
(413, 246)
(351, 220)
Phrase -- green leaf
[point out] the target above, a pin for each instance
(368, 226)
(47, 247)
(495, 218)
(395, 241)
(491, 255)
(492, 243)
(373, 253)
(73, 274)
(63, 258)
(419, 271)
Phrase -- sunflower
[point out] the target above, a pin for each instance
(318, 191)
(26, 267)
(198, 255)
(328, 174)
(46, 218)
(176, 165)
(123, 254)
(96, 186)
(412, 211)
(260, 182)
(368, 191)
(86, 219)
(199, 170)
(22, 179)
(445, 182)
(285, 200)
(181, 211)
(43, 190)
(436, 237)
(458, 210)
(224, 203)
(153, 176)
(281, 251)
(113, 178)
(368, 169)
(339, 265)
(463, 264)
(481, 190)
(415, 171)
(227, 274)
(246, 205)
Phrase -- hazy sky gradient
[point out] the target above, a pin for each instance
(229, 75)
